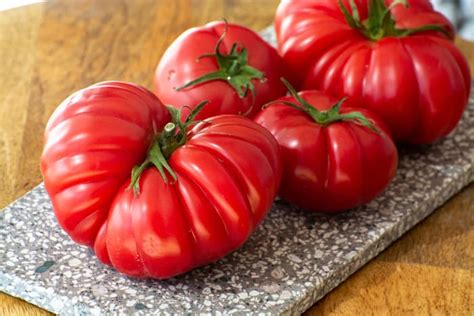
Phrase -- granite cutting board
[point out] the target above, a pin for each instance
(288, 264)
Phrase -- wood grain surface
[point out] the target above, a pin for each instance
(48, 50)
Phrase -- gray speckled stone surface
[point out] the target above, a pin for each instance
(291, 261)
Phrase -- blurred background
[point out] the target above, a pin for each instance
(461, 13)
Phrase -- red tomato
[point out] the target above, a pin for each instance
(226, 171)
(331, 161)
(243, 71)
(402, 67)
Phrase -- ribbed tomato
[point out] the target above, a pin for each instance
(397, 61)
(335, 156)
(197, 193)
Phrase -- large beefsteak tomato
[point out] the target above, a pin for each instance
(335, 156)
(198, 192)
(398, 61)
(229, 65)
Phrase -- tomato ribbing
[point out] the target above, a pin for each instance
(417, 83)
(380, 22)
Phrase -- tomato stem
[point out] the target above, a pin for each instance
(380, 22)
(173, 136)
(233, 69)
(155, 158)
(324, 118)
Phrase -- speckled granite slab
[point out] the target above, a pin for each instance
(291, 261)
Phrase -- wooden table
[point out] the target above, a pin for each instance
(48, 50)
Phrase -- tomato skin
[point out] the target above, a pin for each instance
(418, 84)
(92, 141)
(228, 174)
(329, 168)
(180, 65)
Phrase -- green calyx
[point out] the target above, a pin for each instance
(163, 145)
(324, 118)
(233, 68)
(380, 22)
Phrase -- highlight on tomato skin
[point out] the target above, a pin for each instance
(333, 159)
(155, 196)
(396, 58)
(227, 64)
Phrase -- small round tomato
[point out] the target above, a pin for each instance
(334, 157)
(229, 65)
(396, 60)
(154, 196)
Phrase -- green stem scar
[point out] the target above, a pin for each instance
(380, 22)
(324, 118)
(173, 136)
(233, 69)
